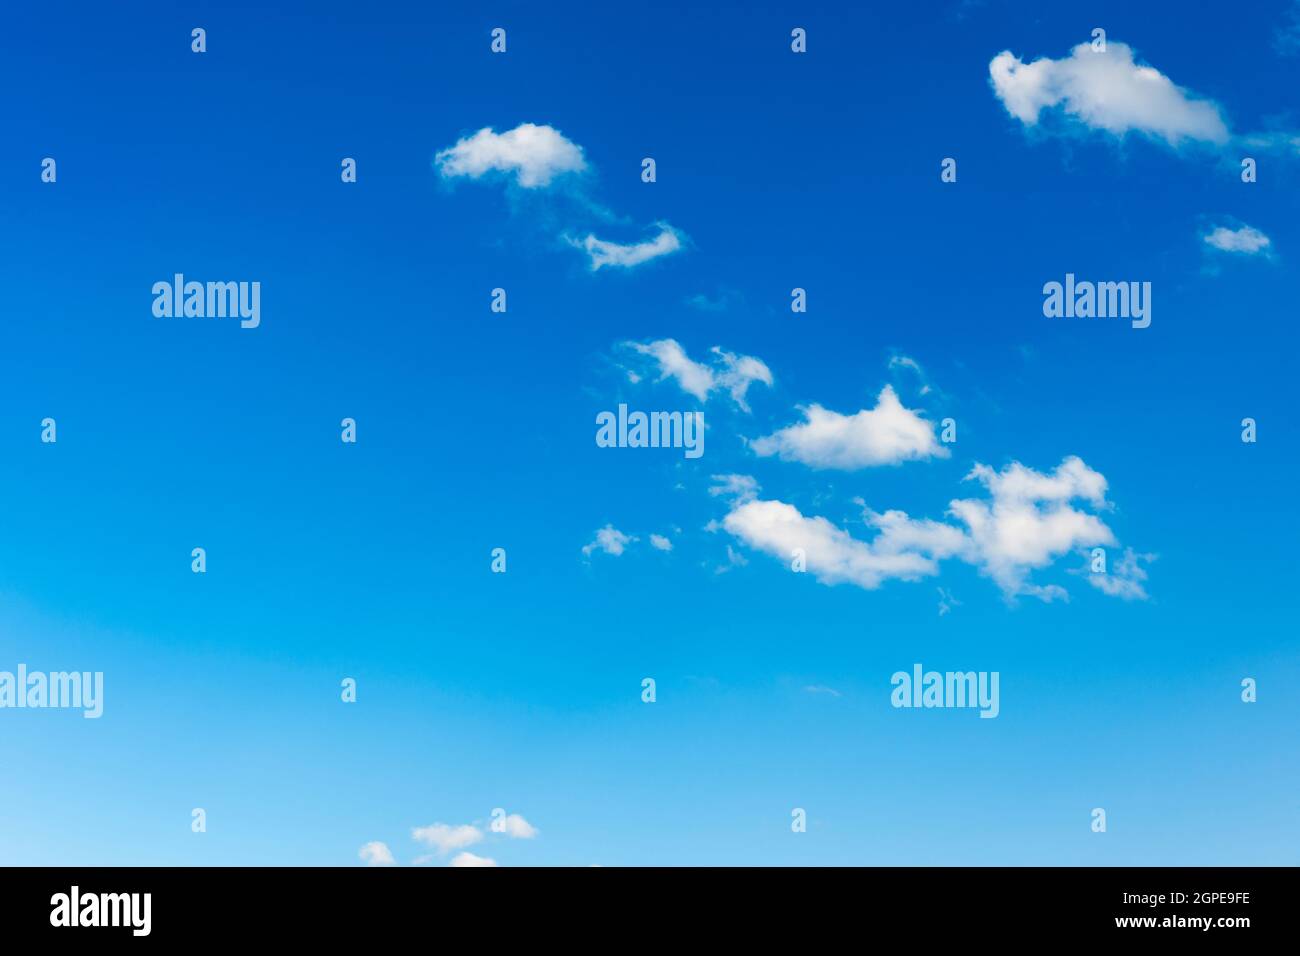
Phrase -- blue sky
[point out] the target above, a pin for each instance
(522, 690)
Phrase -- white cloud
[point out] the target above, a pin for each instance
(1245, 240)
(444, 838)
(739, 487)
(517, 828)
(609, 540)
(730, 373)
(625, 255)
(884, 435)
(1125, 579)
(832, 555)
(1106, 91)
(533, 154)
(660, 542)
(823, 689)
(375, 853)
(469, 859)
(1028, 520)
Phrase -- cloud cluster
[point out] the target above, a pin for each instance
(1106, 90)
(1027, 520)
(444, 839)
(609, 540)
(729, 373)
(884, 435)
(537, 158)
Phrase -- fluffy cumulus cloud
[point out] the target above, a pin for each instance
(1107, 91)
(469, 859)
(517, 828)
(1030, 519)
(602, 253)
(1244, 240)
(375, 853)
(609, 540)
(660, 543)
(884, 435)
(729, 373)
(443, 838)
(1026, 521)
(533, 155)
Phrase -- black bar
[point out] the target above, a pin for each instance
(382, 906)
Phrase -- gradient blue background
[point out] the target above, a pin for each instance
(476, 431)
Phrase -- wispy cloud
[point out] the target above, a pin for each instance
(602, 253)
(1126, 579)
(1286, 38)
(728, 372)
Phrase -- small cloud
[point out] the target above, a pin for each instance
(717, 303)
(1125, 580)
(736, 487)
(443, 838)
(734, 560)
(609, 540)
(946, 602)
(626, 255)
(375, 853)
(822, 689)
(660, 542)
(884, 435)
(534, 155)
(469, 859)
(1246, 240)
(517, 828)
